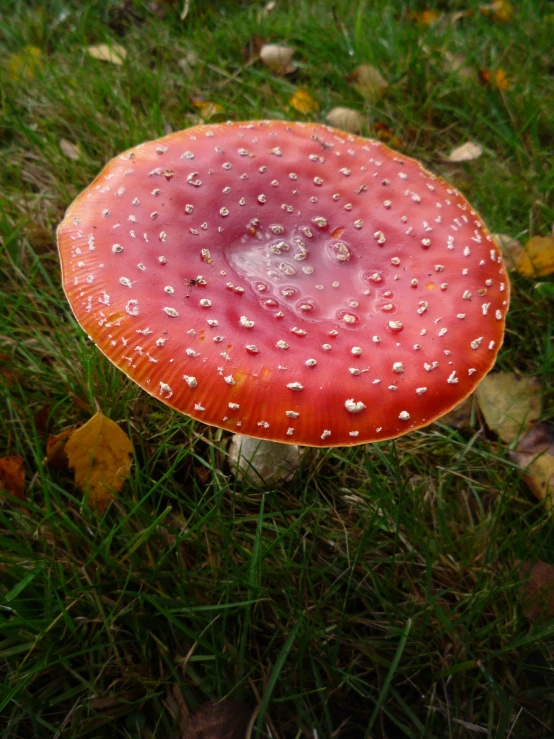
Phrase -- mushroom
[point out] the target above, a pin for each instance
(287, 281)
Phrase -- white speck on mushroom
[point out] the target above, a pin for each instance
(245, 323)
(325, 434)
(404, 416)
(310, 362)
(165, 388)
(476, 343)
(296, 386)
(162, 260)
(291, 414)
(466, 295)
(298, 331)
(393, 387)
(234, 406)
(356, 350)
(453, 380)
(396, 325)
(169, 290)
(125, 281)
(171, 312)
(190, 380)
(198, 407)
(414, 282)
(443, 331)
(354, 407)
(229, 380)
(191, 353)
(421, 390)
(117, 248)
(376, 339)
(326, 347)
(205, 303)
(132, 308)
(398, 367)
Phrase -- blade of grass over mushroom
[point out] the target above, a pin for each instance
(432, 528)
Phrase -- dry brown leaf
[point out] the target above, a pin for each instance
(251, 49)
(499, 10)
(368, 82)
(537, 257)
(12, 476)
(425, 17)
(510, 404)
(227, 719)
(208, 109)
(113, 53)
(303, 102)
(494, 78)
(460, 416)
(56, 457)
(347, 119)
(100, 455)
(278, 58)
(71, 150)
(537, 592)
(25, 65)
(465, 153)
(384, 133)
(535, 454)
(511, 249)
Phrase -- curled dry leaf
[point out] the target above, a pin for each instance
(303, 102)
(465, 153)
(535, 259)
(228, 719)
(460, 416)
(537, 592)
(499, 10)
(347, 119)
(208, 109)
(368, 82)
(114, 53)
(509, 403)
(278, 58)
(99, 454)
(262, 462)
(494, 78)
(71, 150)
(535, 454)
(12, 476)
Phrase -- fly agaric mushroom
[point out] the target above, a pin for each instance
(287, 281)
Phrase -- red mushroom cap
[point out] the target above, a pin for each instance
(286, 280)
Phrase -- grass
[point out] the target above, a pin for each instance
(375, 595)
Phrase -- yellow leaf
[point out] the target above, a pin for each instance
(496, 78)
(426, 17)
(303, 102)
(536, 258)
(499, 10)
(368, 81)
(535, 454)
(208, 109)
(114, 53)
(509, 403)
(100, 455)
(24, 65)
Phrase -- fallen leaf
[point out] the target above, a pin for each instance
(535, 454)
(100, 455)
(24, 65)
(278, 58)
(537, 592)
(460, 416)
(510, 247)
(536, 259)
(227, 719)
(494, 78)
(12, 476)
(303, 102)
(347, 119)
(114, 53)
(509, 403)
(251, 49)
(56, 457)
(425, 17)
(208, 109)
(368, 82)
(71, 150)
(499, 10)
(465, 153)
(384, 133)
(42, 419)
(457, 64)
